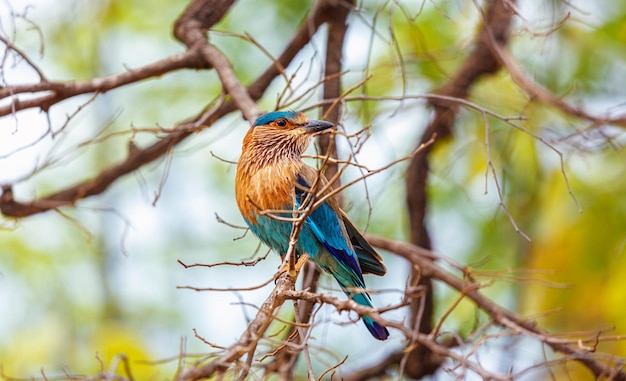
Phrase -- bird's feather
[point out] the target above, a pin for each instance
(271, 116)
(369, 259)
(326, 226)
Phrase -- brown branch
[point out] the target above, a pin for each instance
(191, 29)
(230, 83)
(425, 340)
(332, 87)
(480, 62)
(135, 159)
(536, 91)
(376, 370)
(309, 27)
(191, 26)
(249, 339)
(59, 91)
(69, 196)
(24, 56)
(501, 316)
(139, 157)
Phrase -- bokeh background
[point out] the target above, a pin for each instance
(100, 279)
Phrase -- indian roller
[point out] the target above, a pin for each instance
(273, 182)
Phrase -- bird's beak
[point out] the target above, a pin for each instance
(317, 125)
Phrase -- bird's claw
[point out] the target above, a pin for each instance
(293, 269)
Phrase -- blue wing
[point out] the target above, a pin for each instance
(339, 259)
(327, 227)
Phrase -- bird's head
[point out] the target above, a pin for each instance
(282, 133)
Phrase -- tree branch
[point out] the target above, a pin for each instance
(230, 83)
(139, 157)
(535, 91)
(59, 91)
(501, 316)
(423, 339)
(191, 26)
(481, 62)
(248, 341)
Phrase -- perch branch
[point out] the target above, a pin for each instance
(249, 338)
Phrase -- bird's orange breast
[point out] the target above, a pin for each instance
(266, 188)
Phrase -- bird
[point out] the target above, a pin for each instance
(272, 181)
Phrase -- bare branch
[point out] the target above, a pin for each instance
(423, 339)
(249, 339)
(230, 82)
(498, 314)
(24, 56)
(139, 157)
(55, 92)
(479, 63)
(535, 91)
(200, 15)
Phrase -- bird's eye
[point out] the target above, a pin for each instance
(281, 122)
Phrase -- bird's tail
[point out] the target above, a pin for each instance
(377, 330)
